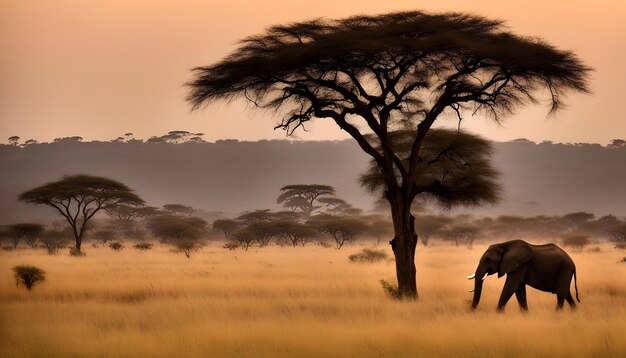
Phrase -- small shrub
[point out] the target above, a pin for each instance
(8, 248)
(390, 289)
(368, 256)
(28, 276)
(186, 247)
(617, 246)
(595, 250)
(231, 245)
(324, 244)
(116, 246)
(143, 246)
(623, 260)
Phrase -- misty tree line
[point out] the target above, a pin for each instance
(313, 215)
(180, 137)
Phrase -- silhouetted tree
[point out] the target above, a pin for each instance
(617, 143)
(187, 246)
(243, 237)
(293, 232)
(340, 207)
(342, 230)
(460, 234)
(14, 140)
(255, 216)
(378, 73)
(177, 137)
(179, 209)
(54, 240)
(303, 196)
(131, 212)
(184, 233)
(73, 139)
(104, 235)
(429, 225)
(24, 231)
(79, 197)
(226, 226)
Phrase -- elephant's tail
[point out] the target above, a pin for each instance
(576, 286)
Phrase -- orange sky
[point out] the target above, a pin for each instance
(101, 68)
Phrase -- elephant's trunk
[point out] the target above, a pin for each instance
(478, 284)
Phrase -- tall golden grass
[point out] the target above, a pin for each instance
(302, 302)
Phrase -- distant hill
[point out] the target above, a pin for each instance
(232, 176)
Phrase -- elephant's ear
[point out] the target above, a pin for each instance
(515, 254)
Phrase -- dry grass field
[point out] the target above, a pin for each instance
(303, 302)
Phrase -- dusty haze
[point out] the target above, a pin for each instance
(230, 177)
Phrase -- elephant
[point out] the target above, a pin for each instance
(544, 267)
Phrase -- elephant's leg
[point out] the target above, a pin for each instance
(520, 294)
(570, 300)
(513, 282)
(559, 302)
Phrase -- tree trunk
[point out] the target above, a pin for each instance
(403, 246)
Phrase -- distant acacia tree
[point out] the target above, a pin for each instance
(340, 229)
(243, 237)
(130, 213)
(79, 197)
(255, 216)
(226, 226)
(14, 140)
(177, 137)
(460, 234)
(73, 139)
(303, 197)
(337, 206)
(179, 209)
(54, 240)
(104, 235)
(25, 231)
(394, 71)
(263, 232)
(429, 225)
(294, 232)
(183, 233)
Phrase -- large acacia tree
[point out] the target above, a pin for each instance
(79, 197)
(375, 74)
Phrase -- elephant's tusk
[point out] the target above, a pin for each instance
(471, 277)
(484, 277)
(472, 290)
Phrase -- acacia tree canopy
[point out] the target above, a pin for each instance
(378, 74)
(79, 197)
(303, 197)
(455, 168)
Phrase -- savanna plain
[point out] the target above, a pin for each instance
(297, 302)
